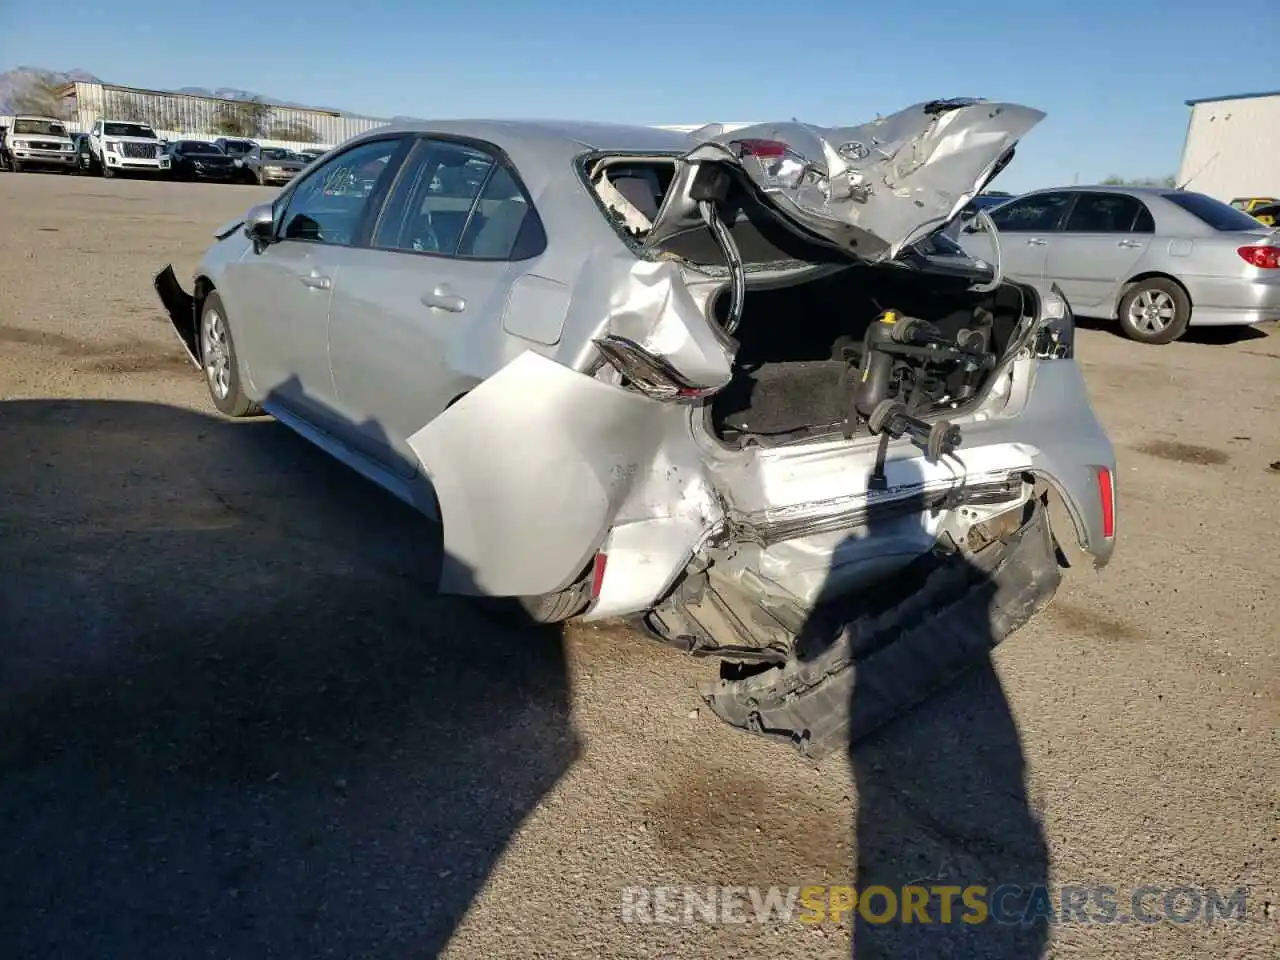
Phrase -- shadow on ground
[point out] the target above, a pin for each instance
(942, 803)
(234, 720)
(1211, 336)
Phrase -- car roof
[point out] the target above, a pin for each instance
(589, 134)
(1109, 188)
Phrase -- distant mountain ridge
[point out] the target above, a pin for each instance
(13, 81)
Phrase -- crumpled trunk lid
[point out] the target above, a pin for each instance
(867, 191)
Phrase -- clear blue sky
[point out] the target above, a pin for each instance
(1112, 76)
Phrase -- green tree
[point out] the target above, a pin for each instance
(39, 96)
(294, 130)
(244, 118)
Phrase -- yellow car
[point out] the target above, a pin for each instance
(1250, 204)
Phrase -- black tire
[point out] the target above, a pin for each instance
(16, 166)
(105, 170)
(548, 608)
(1158, 295)
(234, 402)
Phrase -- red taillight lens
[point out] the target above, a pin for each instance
(762, 148)
(597, 574)
(1268, 258)
(1107, 500)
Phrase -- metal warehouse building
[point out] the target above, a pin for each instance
(1233, 146)
(182, 114)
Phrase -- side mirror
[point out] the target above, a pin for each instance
(259, 226)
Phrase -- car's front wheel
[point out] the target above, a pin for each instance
(220, 363)
(1155, 311)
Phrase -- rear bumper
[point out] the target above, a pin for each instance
(1218, 301)
(800, 509)
(863, 661)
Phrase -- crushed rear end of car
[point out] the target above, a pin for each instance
(874, 466)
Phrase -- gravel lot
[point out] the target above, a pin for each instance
(234, 723)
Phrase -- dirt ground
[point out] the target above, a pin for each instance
(234, 722)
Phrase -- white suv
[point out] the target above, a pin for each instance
(40, 142)
(120, 146)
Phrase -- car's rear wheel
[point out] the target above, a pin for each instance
(1155, 311)
(219, 361)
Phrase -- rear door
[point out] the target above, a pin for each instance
(417, 315)
(1102, 240)
(1026, 229)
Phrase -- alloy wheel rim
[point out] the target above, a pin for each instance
(216, 354)
(1152, 311)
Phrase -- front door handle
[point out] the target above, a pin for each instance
(1036, 242)
(317, 281)
(1128, 243)
(443, 298)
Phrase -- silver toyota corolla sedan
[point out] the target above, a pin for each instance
(1157, 260)
(715, 382)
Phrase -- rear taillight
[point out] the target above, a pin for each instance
(1057, 336)
(1268, 258)
(761, 148)
(653, 376)
(1107, 501)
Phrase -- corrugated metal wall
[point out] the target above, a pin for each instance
(1233, 148)
(176, 115)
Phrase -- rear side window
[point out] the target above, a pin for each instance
(458, 200)
(1214, 213)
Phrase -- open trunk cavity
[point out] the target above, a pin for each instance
(800, 349)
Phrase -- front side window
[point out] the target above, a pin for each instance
(1040, 213)
(461, 201)
(329, 203)
(1106, 213)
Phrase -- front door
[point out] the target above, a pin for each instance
(287, 286)
(1026, 228)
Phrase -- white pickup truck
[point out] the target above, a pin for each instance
(123, 146)
(40, 142)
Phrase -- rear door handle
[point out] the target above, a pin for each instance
(1036, 242)
(317, 281)
(1128, 243)
(443, 298)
